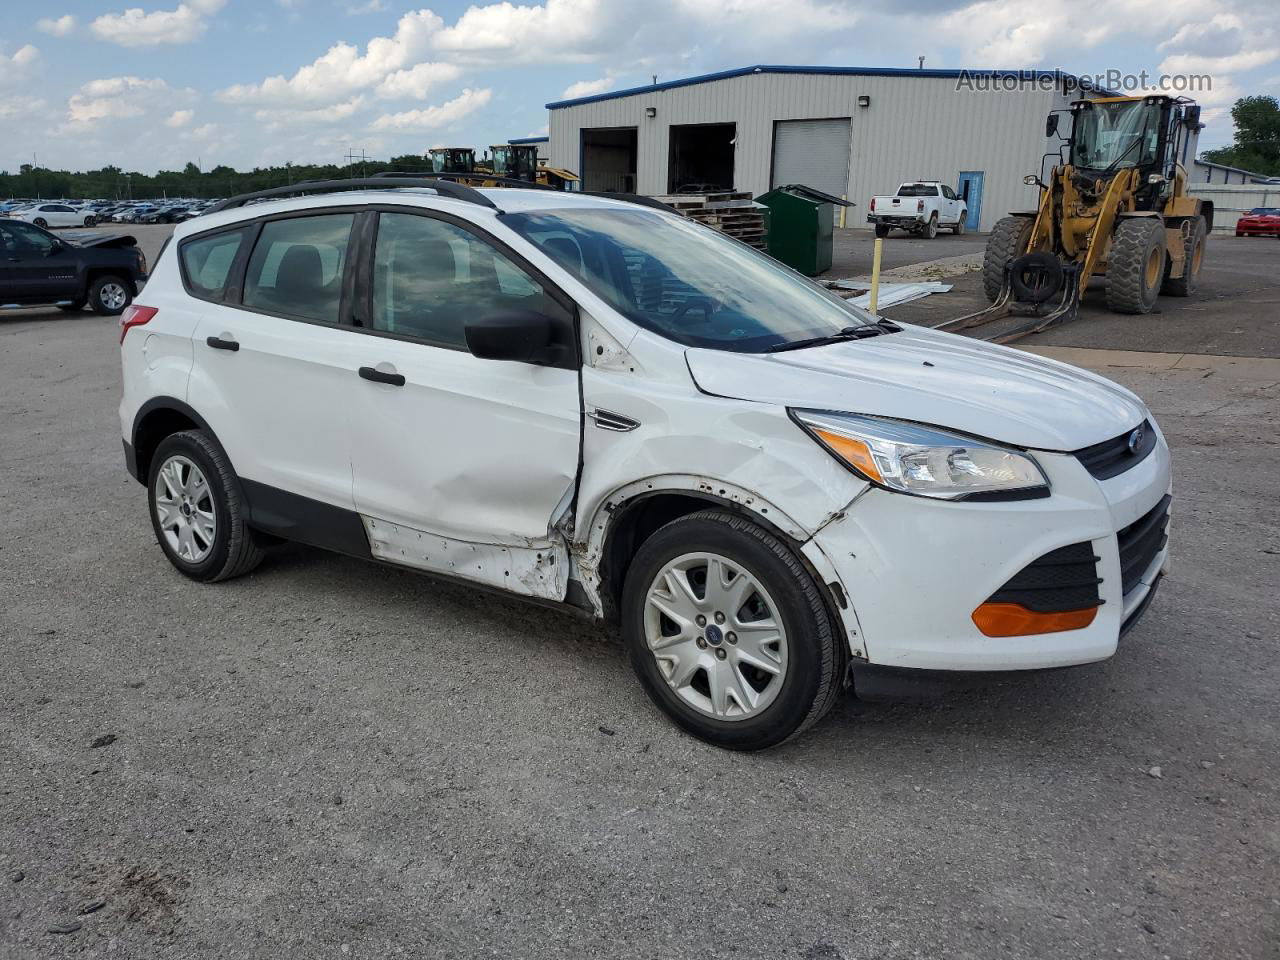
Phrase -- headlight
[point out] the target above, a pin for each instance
(924, 461)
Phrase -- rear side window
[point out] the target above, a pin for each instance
(296, 267)
(207, 261)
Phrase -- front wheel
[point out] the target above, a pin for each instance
(728, 632)
(1136, 265)
(109, 295)
(90, 221)
(197, 511)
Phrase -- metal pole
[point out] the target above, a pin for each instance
(843, 196)
(875, 276)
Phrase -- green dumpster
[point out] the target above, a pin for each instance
(800, 226)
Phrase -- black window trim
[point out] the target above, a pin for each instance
(364, 283)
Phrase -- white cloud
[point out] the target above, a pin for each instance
(343, 70)
(274, 118)
(371, 6)
(418, 80)
(434, 117)
(585, 88)
(21, 107)
(566, 29)
(137, 28)
(180, 118)
(118, 98)
(58, 26)
(17, 65)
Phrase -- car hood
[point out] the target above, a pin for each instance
(936, 378)
(81, 239)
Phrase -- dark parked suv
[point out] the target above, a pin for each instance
(103, 271)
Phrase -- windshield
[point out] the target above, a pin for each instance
(1265, 212)
(685, 281)
(1116, 135)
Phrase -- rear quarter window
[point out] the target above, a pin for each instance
(207, 262)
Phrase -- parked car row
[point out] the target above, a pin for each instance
(68, 213)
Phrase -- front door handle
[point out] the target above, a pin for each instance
(218, 343)
(378, 376)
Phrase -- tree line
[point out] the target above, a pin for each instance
(115, 183)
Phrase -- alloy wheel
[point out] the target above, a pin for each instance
(185, 509)
(113, 296)
(717, 636)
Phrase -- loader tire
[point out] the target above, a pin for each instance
(1185, 285)
(1007, 242)
(1135, 268)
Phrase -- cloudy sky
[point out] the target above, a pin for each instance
(247, 82)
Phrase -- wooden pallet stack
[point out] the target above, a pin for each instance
(733, 213)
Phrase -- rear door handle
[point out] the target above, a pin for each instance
(378, 376)
(218, 343)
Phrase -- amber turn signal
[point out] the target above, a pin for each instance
(854, 452)
(1015, 620)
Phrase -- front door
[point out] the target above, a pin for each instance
(35, 264)
(461, 465)
(970, 190)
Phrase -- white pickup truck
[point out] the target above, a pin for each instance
(921, 206)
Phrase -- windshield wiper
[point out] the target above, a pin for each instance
(848, 333)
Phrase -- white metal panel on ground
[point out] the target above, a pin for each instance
(914, 128)
(812, 152)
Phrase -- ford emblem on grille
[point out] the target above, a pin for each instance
(1135, 440)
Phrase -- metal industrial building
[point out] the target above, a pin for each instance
(855, 131)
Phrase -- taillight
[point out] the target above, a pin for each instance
(873, 204)
(135, 315)
(919, 206)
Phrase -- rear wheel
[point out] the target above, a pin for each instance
(40, 222)
(1007, 242)
(1193, 251)
(728, 632)
(1135, 267)
(931, 227)
(882, 230)
(109, 295)
(197, 511)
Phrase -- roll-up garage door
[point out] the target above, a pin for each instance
(812, 152)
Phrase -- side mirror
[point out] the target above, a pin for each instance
(524, 336)
(1051, 125)
(1192, 117)
(56, 248)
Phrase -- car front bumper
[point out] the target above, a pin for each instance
(915, 569)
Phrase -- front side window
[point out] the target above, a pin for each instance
(24, 240)
(207, 262)
(296, 267)
(430, 278)
(685, 281)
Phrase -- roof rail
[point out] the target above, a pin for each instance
(445, 188)
(636, 198)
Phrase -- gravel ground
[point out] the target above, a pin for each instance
(330, 758)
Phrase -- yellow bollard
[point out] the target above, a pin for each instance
(875, 277)
(843, 196)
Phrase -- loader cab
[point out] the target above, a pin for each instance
(518, 161)
(452, 159)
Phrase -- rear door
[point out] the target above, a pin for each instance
(273, 369)
(461, 465)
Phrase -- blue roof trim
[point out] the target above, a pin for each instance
(529, 140)
(838, 71)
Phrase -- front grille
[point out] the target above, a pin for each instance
(1062, 580)
(1110, 458)
(1141, 541)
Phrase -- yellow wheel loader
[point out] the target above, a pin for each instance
(1116, 206)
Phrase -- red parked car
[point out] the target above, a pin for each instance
(1259, 222)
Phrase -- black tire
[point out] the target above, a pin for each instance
(41, 222)
(817, 651)
(1193, 250)
(1007, 242)
(75, 306)
(882, 230)
(105, 294)
(234, 550)
(930, 229)
(1136, 265)
(959, 228)
(90, 221)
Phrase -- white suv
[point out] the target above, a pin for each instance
(601, 404)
